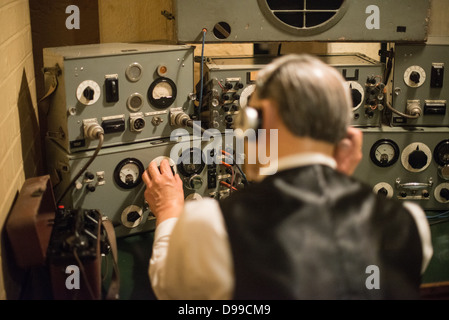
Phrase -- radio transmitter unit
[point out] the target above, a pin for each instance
(128, 89)
(407, 164)
(230, 81)
(113, 182)
(420, 90)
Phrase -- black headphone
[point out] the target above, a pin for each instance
(249, 117)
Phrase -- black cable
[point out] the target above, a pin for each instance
(97, 150)
(201, 73)
(192, 124)
(389, 66)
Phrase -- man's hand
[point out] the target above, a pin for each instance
(164, 192)
(348, 153)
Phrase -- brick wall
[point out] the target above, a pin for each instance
(19, 133)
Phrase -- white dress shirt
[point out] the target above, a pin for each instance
(192, 258)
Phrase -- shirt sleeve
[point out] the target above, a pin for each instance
(191, 256)
(424, 232)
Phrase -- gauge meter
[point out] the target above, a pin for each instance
(191, 162)
(441, 153)
(128, 173)
(162, 93)
(384, 153)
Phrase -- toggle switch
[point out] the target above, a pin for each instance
(111, 88)
(436, 75)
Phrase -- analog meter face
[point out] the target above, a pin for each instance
(384, 153)
(441, 153)
(191, 162)
(128, 173)
(162, 93)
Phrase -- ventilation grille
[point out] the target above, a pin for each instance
(304, 14)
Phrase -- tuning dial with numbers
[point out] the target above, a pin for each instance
(414, 76)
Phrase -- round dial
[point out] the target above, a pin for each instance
(384, 153)
(172, 164)
(383, 189)
(441, 153)
(441, 193)
(132, 216)
(191, 162)
(162, 93)
(88, 92)
(128, 173)
(195, 182)
(414, 76)
(416, 157)
(357, 94)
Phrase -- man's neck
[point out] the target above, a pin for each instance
(290, 150)
(291, 145)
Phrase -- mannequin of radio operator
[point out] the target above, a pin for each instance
(307, 231)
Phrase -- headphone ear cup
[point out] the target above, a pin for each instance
(249, 118)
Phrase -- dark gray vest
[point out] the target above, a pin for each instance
(313, 233)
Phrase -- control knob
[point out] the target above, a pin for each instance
(133, 216)
(444, 193)
(228, 85)
(88, 93)
(417, 159)
(415, 77)
(383, 191)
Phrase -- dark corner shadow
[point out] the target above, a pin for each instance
(20, 283)
(30, 133)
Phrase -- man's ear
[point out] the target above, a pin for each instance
(348, 152)
(270, 111)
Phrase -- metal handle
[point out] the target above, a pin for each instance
(413, 185)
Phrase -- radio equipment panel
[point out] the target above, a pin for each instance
(230, 81)
(113, 182)
(407, 164)
(419, 89)
(128, 89)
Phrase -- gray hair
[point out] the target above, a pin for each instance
(312, 97)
